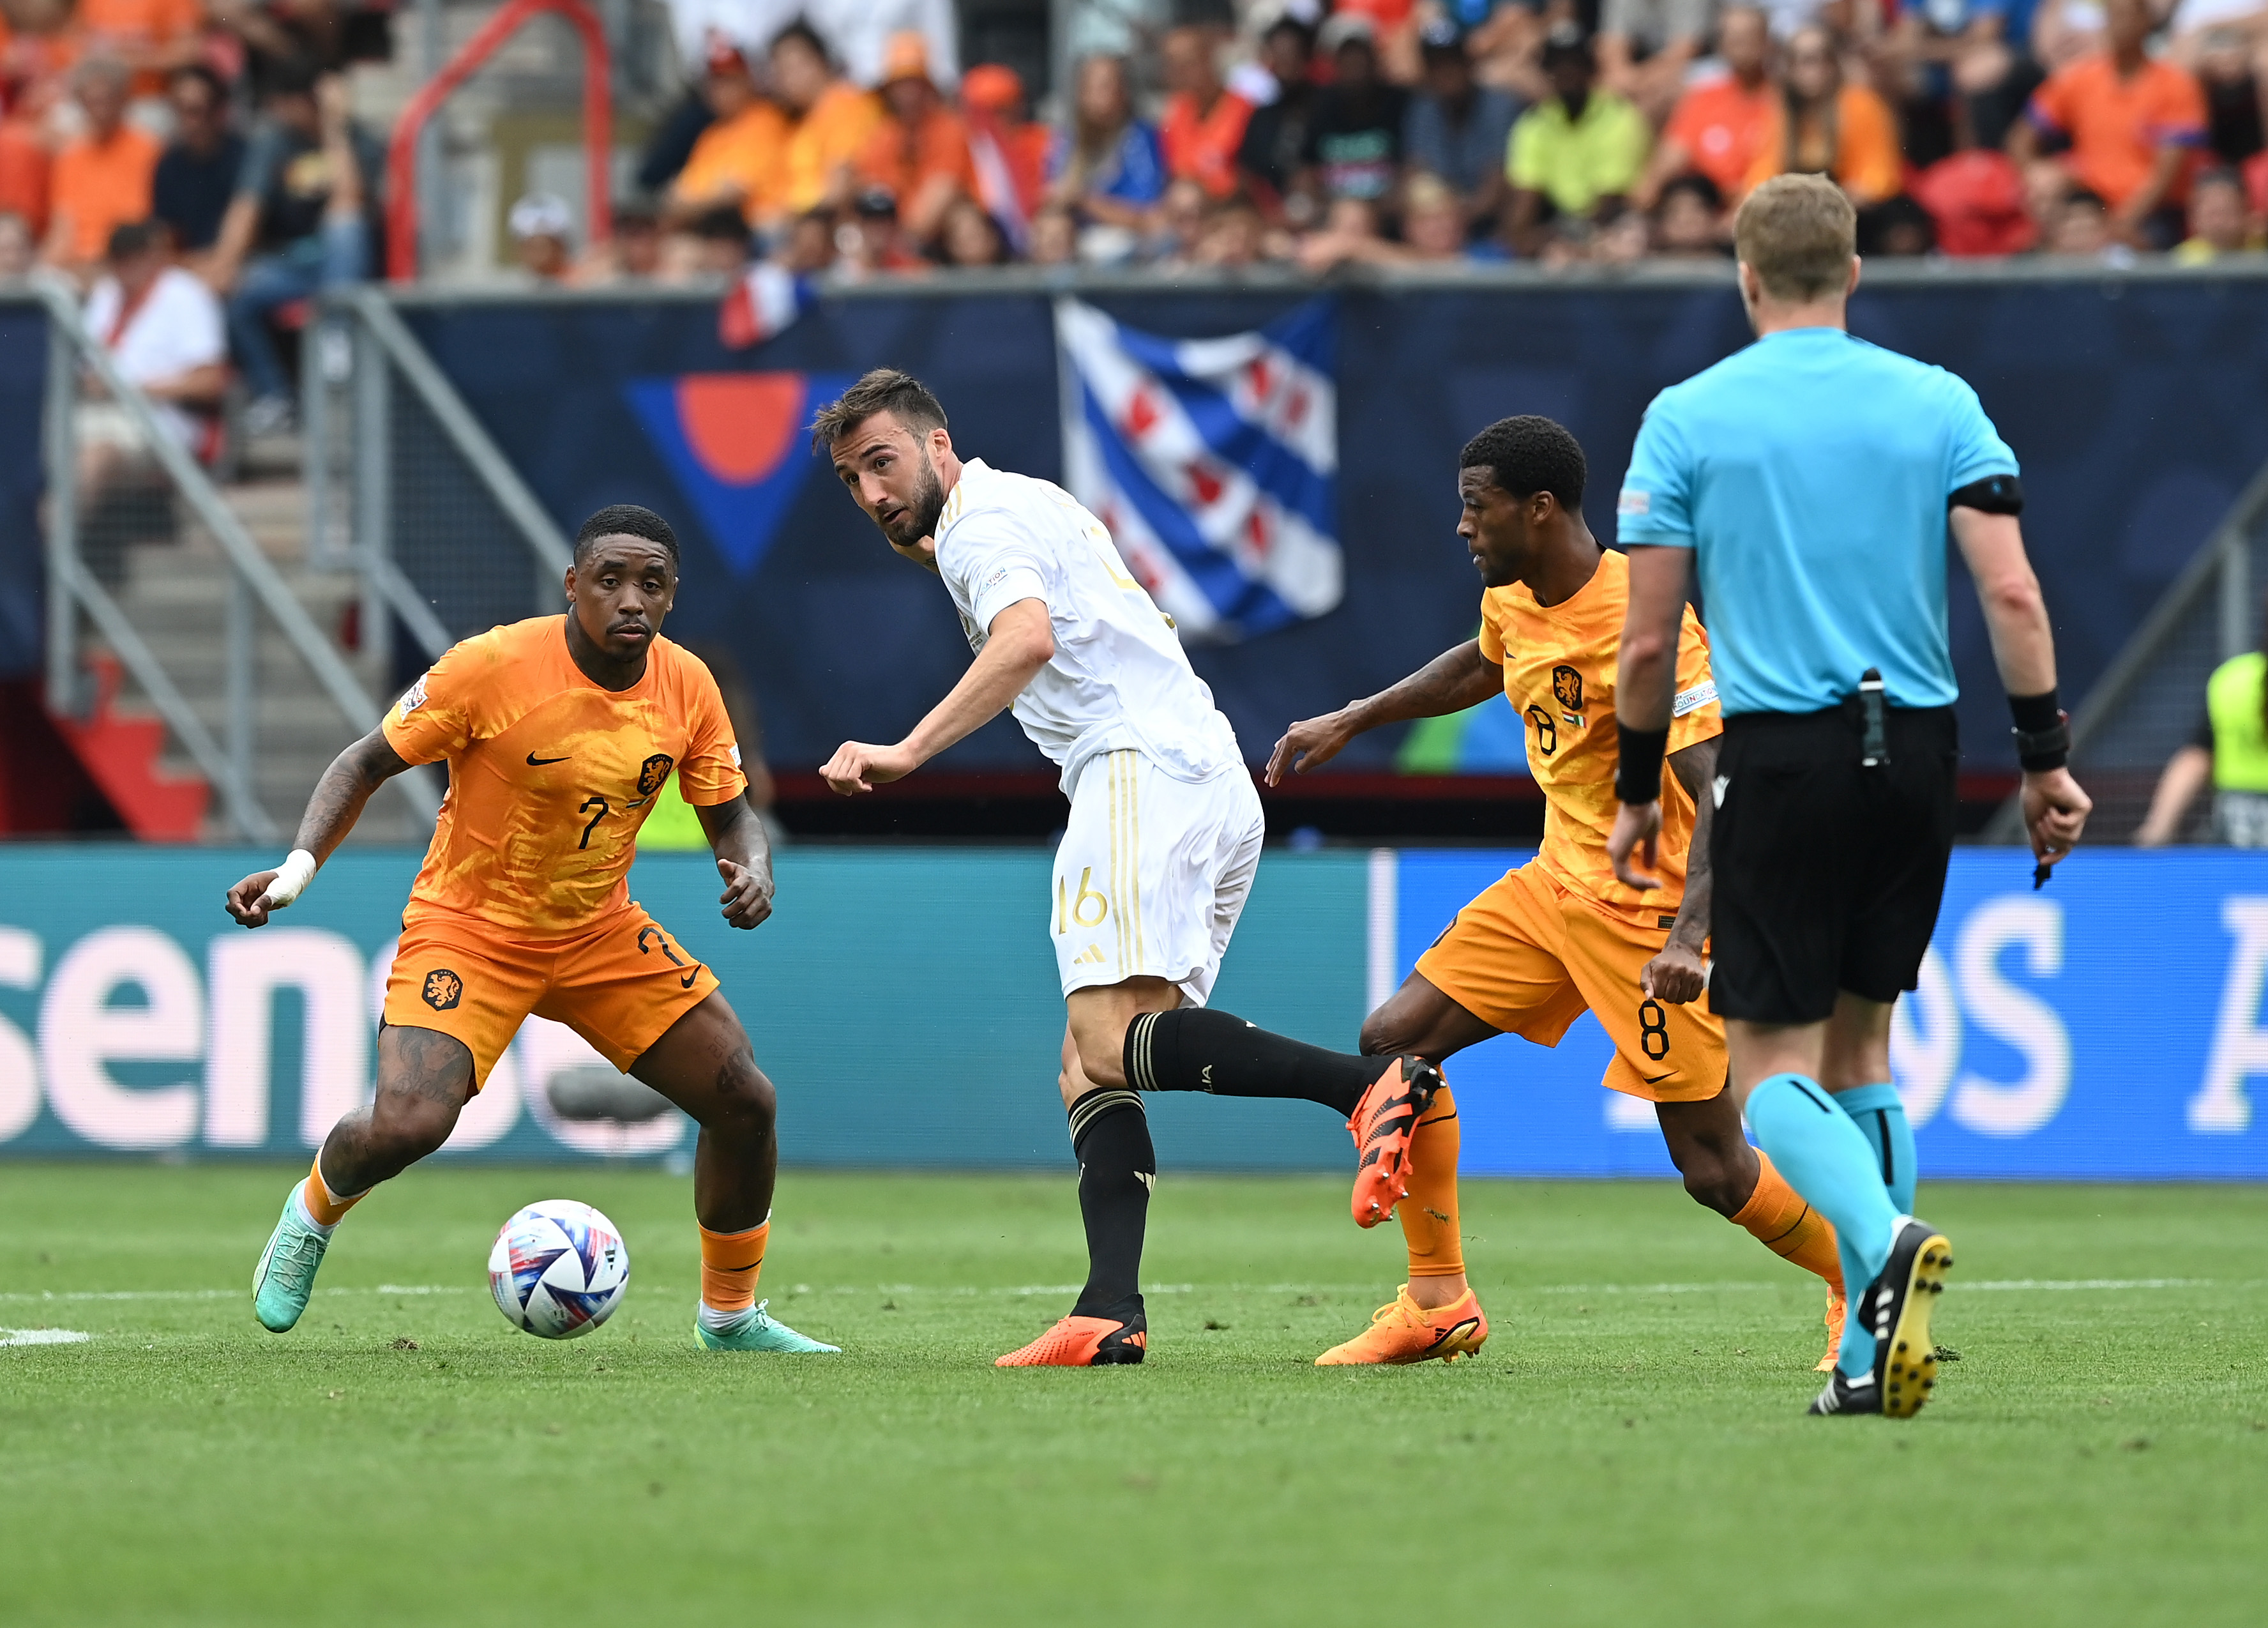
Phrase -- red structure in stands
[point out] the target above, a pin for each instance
(598, 124)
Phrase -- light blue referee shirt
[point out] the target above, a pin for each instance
(1809, 474)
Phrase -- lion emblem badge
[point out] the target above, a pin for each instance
(444, 988)
(1567, 687)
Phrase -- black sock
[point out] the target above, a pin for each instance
(1196, 1049)
(1110, 1134)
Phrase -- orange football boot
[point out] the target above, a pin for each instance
(1835, 1308)
(1381, 1127)
(1083, 1342)
(1404, 1332)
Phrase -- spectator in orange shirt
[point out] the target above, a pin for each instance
(920, 152)
(1009, 151)
(101, 180)
(2134, 125)
(40, 42)
(1717, 127)
(38, 46)
(1204, 123)
(1821, 126)
(151, 37)
(737, 160)
(24, 163)
(830, 120)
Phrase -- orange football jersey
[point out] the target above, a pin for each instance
(551, 775)
(1559, 667)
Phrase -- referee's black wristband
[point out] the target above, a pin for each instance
(2042, 732)
(1637, 769)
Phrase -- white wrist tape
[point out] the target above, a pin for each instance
(292, 878)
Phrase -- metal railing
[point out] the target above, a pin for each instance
(444, 536)
(228, 763)
(404, 200)
(2151, 696)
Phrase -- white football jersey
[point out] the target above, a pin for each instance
(1119, 678)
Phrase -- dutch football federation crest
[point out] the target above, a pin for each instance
(1567, 687)
(444, 988)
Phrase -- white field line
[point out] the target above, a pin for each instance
(1728, 1285)
(41, 1336)
(222, 1295)
(2089, 1283)
(2006, 1284)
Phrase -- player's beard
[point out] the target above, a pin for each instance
(919, 518)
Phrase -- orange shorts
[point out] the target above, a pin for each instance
(1529, 957)
(620, 985)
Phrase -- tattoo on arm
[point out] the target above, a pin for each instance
(1695, 768)
(346, 786)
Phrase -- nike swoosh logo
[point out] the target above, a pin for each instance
(534, 761)
(1658, 1078)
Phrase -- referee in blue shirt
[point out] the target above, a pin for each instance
(1811, 479)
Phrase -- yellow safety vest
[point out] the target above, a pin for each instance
(2233, 701)
(673, 826)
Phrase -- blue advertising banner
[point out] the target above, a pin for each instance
(2109, 1026)
(905, 1002)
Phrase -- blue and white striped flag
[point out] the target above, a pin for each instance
(1214, 462)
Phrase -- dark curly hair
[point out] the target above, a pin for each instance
(1530, 455)
(627, 520)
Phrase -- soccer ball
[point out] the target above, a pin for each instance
(558, 1269)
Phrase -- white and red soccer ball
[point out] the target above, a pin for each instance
(559, 1269)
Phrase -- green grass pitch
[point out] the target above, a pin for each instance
(1629, 1449)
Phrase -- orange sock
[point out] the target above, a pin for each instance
(1429, 1215)
(1781, 1221)
(324, 1205)
(729, 1265)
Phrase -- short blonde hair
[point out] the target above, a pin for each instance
(1798, 233)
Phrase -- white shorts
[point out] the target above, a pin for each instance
(1152, 875)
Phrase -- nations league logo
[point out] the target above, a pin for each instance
(444, 988)
(654, 773)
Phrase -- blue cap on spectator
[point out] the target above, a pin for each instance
(1442, 37)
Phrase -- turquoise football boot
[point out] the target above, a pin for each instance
(756, 1331)
(285, 1276)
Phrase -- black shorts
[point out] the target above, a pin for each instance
(1828, 874)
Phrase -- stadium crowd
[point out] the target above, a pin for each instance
(1413, 131)
(193, 167)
